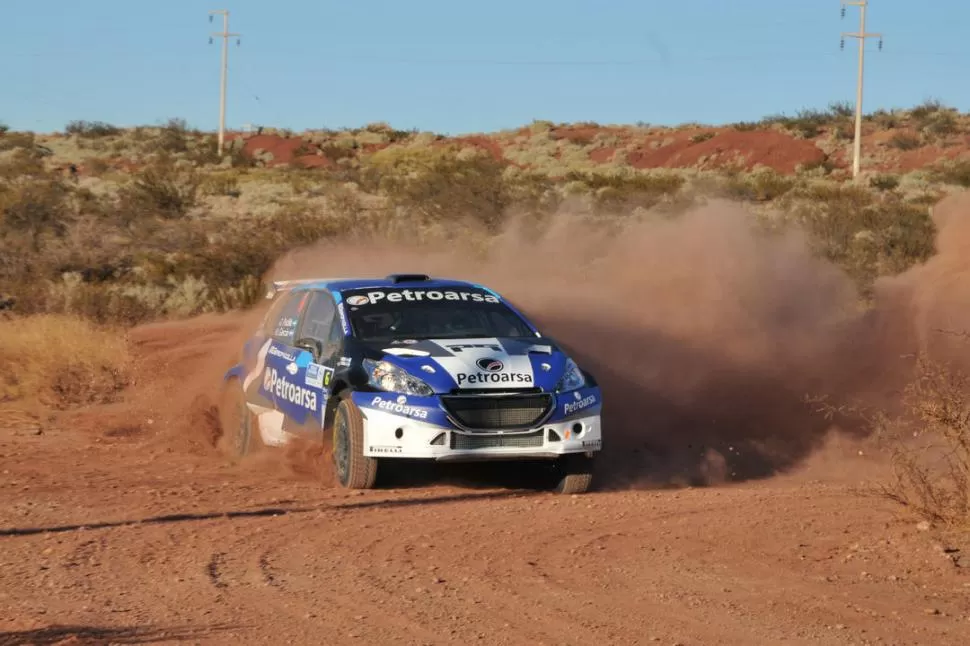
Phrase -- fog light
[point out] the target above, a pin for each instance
(577, 429)
(399, 433)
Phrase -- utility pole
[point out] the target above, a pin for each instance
(861, 36)
(225, 35)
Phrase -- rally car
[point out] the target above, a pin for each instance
(410, 367)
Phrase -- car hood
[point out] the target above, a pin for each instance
(495, 363)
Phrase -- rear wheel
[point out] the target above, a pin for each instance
(574, 473)
(354, 470)
(240, 428)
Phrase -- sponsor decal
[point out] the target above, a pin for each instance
(467, 346)
(581, 403)
(343, 362)
(428, 369)
(592, 444)
(546, 367)
(292, 368)
(276, 352)
(318, 376)
(493, 378)
(372, 298)
(490, 365)
(385, 449)
(401, 399)
(286, 326)
(399, 408)
(343, 318)
(281, 387)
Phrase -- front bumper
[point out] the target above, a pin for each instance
(388, 435)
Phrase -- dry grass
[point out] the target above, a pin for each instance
(928, 443)
(60, 361)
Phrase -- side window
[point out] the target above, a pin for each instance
(282, 322)
(319, 318)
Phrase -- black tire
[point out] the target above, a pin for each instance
(574, 474)
(240, 428)
(352, 468)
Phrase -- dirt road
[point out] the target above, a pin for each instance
(116, 529)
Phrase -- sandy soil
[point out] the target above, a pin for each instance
(127, 532)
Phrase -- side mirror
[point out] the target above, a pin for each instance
(312, 346)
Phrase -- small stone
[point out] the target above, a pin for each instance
(931, 611)
(923, 526)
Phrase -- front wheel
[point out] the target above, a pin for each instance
(575, 473)
(354, 470)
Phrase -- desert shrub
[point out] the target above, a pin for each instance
(939, 124)
(702, 136)
(928, 441)
(33, 206)
(952, 172)
(60, 361)
(625, 191)
(11, 140)
(173, 137)
(884, 119)
(905, 141)
(439, 184)
(927, 109)
(866, 235)
(91, 129)
(884, 182)
(220, 184)
(762, 185)
(4, 128)
(746, 126)
(164, 189)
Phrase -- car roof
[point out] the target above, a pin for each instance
(392, 281)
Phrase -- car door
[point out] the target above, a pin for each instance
(318, 344)
(282, 380)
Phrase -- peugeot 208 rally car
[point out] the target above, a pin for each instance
(411, 367)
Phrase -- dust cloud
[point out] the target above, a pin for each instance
(705, 334)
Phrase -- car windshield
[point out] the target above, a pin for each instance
(386, 314)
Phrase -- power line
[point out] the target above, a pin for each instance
(225, 35)
(861, 35)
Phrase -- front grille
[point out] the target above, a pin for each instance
(498, 411)
(471, 442)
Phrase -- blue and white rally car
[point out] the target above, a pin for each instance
(411, 367)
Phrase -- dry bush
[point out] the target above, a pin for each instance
(927, 439)
(32, 206)
(930, 445)
(440, 184)
(905, 141)
(164, 189)
(868, 236)
(60, 361)
(955, 172)
(91, 129)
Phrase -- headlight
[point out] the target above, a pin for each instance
(387, 376)
(572, 378)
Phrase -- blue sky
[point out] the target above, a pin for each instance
(457, 66)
